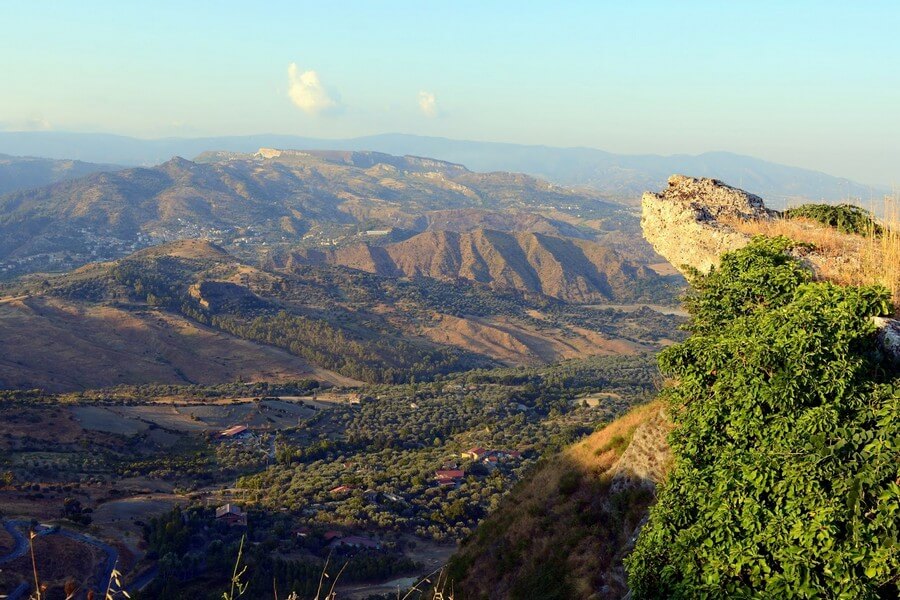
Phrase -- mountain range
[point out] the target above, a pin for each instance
(24, 172)
(620, 175)
(255, 202)
(189, 312)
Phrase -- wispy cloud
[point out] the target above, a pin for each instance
(428, 104)
(308, 93)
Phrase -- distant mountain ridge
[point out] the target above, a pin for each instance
(26, 172)
(614, 174)
(272, 197)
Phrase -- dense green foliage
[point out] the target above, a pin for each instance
(846, 218)
(786, 448)
(399, 435)
(196, 556)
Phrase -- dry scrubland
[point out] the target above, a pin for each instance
(850, 259)
(563, 531)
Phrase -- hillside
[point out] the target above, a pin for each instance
(782, 405)
(65, 345)
(189, 312)
(252, 202)
(621, 175)
(26, 172)
(568, 269)
(563, 531)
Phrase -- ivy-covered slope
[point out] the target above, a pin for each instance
(786, 481)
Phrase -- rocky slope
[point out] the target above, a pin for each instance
(562, 533)
(568, 269)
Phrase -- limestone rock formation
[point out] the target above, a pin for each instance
(889, 339)
(685, 223)
(646, 460)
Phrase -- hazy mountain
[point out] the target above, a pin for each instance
(617, 174)
(25, 172)
(571, 270)
(250, 201)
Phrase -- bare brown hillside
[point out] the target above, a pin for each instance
(569, 269)
(61, 345)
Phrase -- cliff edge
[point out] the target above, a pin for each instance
(690, 223)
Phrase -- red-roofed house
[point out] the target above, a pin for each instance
(341, 489)
(448, 476)
(475, 453)
(235, 432)
(332, 535)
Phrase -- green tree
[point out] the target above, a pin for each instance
(785, 482)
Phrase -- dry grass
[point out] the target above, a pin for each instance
(842, 258)
(538, 530)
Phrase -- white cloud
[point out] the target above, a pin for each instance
(428, 104)
(307, 92)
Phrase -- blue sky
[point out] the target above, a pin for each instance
(814, 84)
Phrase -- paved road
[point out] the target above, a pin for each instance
(104, 571)
(21, 546)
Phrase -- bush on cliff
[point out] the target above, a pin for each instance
(846, 218)
(786, 480)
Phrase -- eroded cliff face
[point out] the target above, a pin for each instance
(648, 457)
(687, 222)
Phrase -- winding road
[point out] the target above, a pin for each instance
(14, 527)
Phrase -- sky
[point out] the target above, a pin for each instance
(811, 84)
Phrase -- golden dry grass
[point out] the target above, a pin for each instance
(537, 520)
(842, 258)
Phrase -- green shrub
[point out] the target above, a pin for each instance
(785, 481)
(846, 218)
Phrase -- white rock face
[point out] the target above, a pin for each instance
(889, 340)
(684, 222)
(645, 461)
(687, 224)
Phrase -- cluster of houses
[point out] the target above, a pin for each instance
(451, 475)
(337, 539)
(491, 458)
(233, 516)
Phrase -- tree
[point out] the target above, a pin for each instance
(785, 481)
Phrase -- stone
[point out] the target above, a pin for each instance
(685, 223)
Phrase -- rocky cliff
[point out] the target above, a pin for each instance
(687, 222)
(690, 224)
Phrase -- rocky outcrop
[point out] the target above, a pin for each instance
(688, 224)
(888, 338)
(646, 460)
